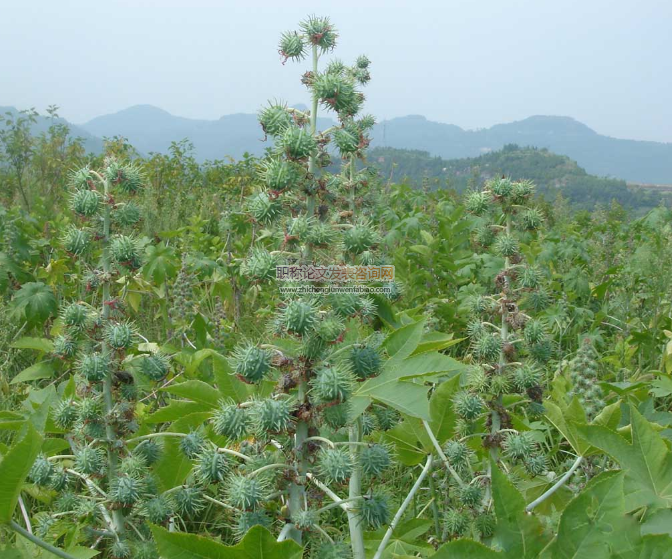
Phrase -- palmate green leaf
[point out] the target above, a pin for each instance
(34, 303)
(14, 468)
(441, 409)
(590, 522)
(408, 447)
(258, 543)
(197, 391)
(648, 547)
(467, 549)
(173, 466)
(647, 462)
(40, 344)
(403, 342)
(406, 540)
(520, 535)
(160, 263)
(38, 371)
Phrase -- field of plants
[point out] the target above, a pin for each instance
(507, 395)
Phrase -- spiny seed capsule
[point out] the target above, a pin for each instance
(375, 511)
(335, 464)
(332, 384)
(275, 119)
(145, 550)
(272, 416)
(260, 265)
(211, 466)
(499, 384)
(368, 424)
(157, 509)
(345, 304)
(458, 454)
(506, 245)
(336, 416)
(539, 299)
(188, 501)
(468, 406)
(65, 413)
(521, 191)
(488, 347)
(263, 208)
(386, 418)
(155, 366)
(119, 336)
(300, 317)
(59, 479)
(90, 409)
(41, 471)
(534, 332)
(125, 251)
(306, 519)
(338, 550)
(251, 362)
(320, 234)
(347, 138)
(486, 523)
(525, 377)
(82, 179)
(126, 215)
(297, 143)
(76, 317)
(532, 219)
(128, 178)
(477, 203)
(76, 241)
(65, 347)
(120, 550)
(231, 421)
(85, 202)
(529, 278)
(149, 451)
(374, 459)
(501, 188)
(519, 446)
(134, 466)
(126, 490)
(536, 465)
(359, 238)
(94, 367)
(470, 495)
(330, 328)
(246, 493)
(484, 236)
(248, 520)
(456, 522)
(541, 351)
(320, 32)
(365, 361)
(192, 444)
(66, 502)
(90, 460)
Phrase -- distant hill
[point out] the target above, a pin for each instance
(91, 142)
(551, 173)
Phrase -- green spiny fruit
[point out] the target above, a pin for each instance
(157, 509)
(65, 347)
(155, 366)
(231, 421)
(94, 429)
(280, 174)
(125, 251)
(535, 332)
(332, 384)
(477, 203)
(126, 215)
(506, 245)
(89, 460)
(251, 362)
(330, 328)
(248, 520)
(272, 416)
(365, 361)
(485, 523)
(521, 191)
(82, 179)
(76, 317)
(386, 418)
(134, 466)
(359, 238)
(41, 471)
(368, 424)
(129, 391)
(335, 465)
(487, 347)
(211, 466)
(529, 278)
(76, 241)
(119, 336)
(145, 550)
(275, 118)
(336, 416)
(468, 406)
(539, 299)
(532, 219)
(120, 550)
(43, 524)
(471, 495)
(59, 479)
(246, 493)
(306, 519)
(264, 208)
(126, 490)
(456, 522)
(458, 454)
(502, 188)
(149, 451)
(484, 236)
(65, 413)
(347, 138)
(128, 178)
(320, 234)
(260, 265)
(66, 501)
(374, 459)
(536, 465)
(89, 409)
(320, 32)
(499, 384)
(188, 501)
(192, 444)
(292, 46)
(85, 202)
(297, 143)
(94, 367)
(525, 377)
(300, 317)
(541, 351)
(519, 446)
(375, 511)
(345, 304)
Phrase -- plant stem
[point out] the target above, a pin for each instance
(435, 507)
(355, 491)
(402, 508)
(38, 542)
(441, 454)
(326, 490)
(557, 485)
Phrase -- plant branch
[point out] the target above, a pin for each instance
(557, 485)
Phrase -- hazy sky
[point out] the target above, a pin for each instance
(474, 63)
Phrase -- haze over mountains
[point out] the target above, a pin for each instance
(150, 129)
